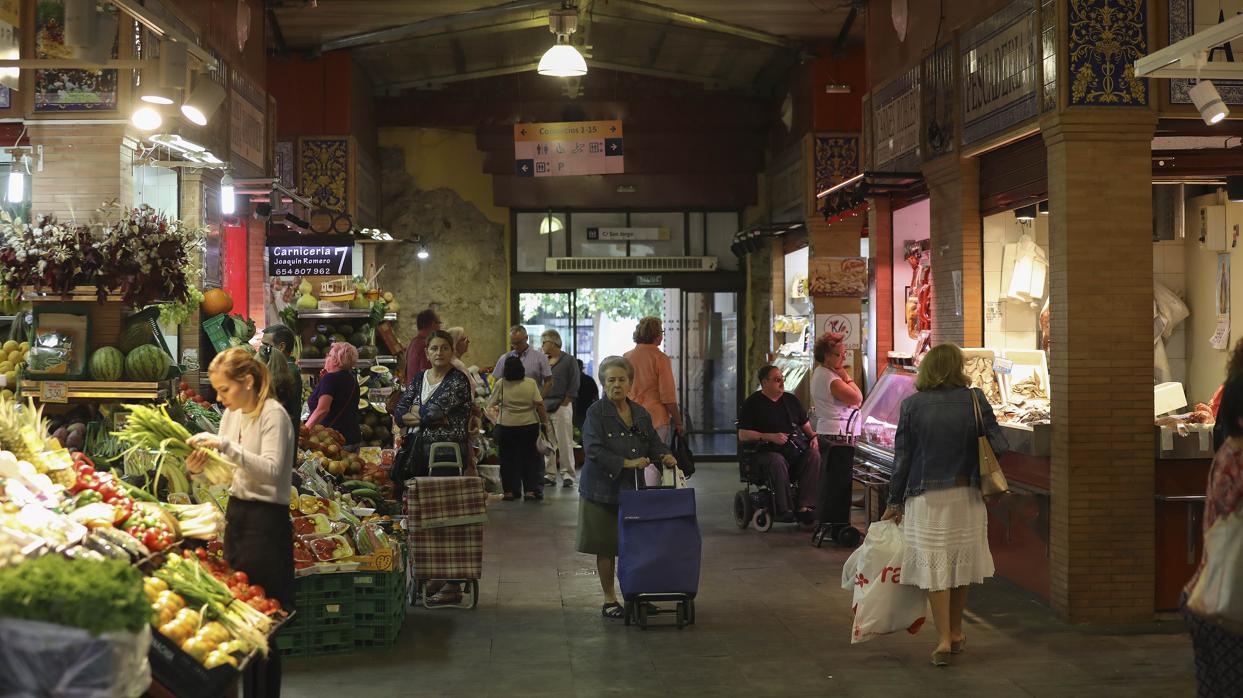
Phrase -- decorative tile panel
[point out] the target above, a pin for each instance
(937, 124)
(837, 159)
(324, 168)
(1105, 37)
(1186, 17)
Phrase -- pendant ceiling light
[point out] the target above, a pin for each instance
(563, 60)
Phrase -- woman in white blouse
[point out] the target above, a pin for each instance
(256, 435)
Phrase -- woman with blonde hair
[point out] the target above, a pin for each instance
(935, 490)
(653, 385)
(334, 401)
(255, 434)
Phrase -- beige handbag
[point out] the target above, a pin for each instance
(992, 480)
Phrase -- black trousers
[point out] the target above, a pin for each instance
(522, 467)
(258, 540)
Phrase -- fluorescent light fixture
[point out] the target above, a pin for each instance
(1043, 207)
(174, 141)
(203, 101)
(146, 118)
(562, 61)
(550, 224)
(1208, 101)
(837, 88)
(211, 159)
(228, 200)
(1025, 214)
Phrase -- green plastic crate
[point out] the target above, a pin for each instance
(340, 639)
(381, 632)
(324, 583)
(292, 642)
(215, 331)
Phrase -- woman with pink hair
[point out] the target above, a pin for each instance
(334, 402)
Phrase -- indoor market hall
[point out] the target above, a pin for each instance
(620, 347)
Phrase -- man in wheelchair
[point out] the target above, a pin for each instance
(775, 423)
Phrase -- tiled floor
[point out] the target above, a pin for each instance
(772, 621)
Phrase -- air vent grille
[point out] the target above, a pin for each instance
(629, 264)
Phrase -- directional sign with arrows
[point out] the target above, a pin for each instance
(568, 148)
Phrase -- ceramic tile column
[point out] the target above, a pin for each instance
(1100, 363)
(954, 202)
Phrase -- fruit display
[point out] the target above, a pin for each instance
(321, 439)
(215, 302)
(147, 363)
(106, 364)
(376, 427)
(12, 355)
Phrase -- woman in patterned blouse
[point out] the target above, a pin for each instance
(1219, 652)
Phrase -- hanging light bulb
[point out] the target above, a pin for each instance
(562, 60)
(228, 203)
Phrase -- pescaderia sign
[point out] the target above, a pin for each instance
(895, 123)
(999, 72)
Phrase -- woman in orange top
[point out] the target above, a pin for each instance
(653, 386)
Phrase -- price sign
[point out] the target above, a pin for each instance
(54, 391)
(1003, 365)
(310, 260)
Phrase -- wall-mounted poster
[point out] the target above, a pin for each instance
(845, 277)
(845, 324)
(69, 90)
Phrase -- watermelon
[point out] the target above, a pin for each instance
(106, 364)
(147, 363)
(135, 335)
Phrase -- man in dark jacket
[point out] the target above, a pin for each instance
(588, 393)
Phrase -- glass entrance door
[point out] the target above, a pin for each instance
(701, 339)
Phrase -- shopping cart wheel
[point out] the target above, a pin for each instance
(641, 614)
(628, 612)
(742, 509)
(817, 536)
(848, 537)
(472, 588)
(690, 611)
(683, 615)
(762, 520)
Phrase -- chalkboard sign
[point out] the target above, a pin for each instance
(310, 260)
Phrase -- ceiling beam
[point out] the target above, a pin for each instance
(145, 17)
(686, 20)
(432, 81)
(484, 20)
(706, 80)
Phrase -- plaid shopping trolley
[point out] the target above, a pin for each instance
(445, 517)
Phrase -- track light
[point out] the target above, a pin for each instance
(146, 118)
(1025, 214)
(203, 101)
(1208, 101)
(172, 73)
(422, 252)
(228, 198)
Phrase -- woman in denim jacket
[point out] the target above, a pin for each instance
(619, 441)
(935, 491)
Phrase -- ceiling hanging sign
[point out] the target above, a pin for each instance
(895, 124)
(999, 75)
(1190, 16)
(568, 148)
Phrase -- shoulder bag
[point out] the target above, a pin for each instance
(682, 452)
(1218, 594)
(797, 443)
(992, 480)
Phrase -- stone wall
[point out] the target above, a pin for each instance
(464, 279)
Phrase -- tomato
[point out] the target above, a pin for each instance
(240, 577)
(202, 553)
(257, 591)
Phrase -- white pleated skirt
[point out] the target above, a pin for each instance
(946, 534)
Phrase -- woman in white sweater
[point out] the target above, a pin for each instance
(255, 434)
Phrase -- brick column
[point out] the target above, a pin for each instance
(84, 165)
(954, 196)
(1100, 363)
(841, 239)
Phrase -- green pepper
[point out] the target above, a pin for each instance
(87, 497)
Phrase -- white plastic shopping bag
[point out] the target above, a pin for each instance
(882, 604)
(1218, 593)
(660, 476)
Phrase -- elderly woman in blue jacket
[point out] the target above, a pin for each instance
(935, 490)
(619, 442)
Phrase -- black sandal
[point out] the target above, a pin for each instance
(613, 611)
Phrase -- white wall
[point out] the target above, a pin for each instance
(909, 223)
(1009, 324)
(1205, 366)
(1169, 260)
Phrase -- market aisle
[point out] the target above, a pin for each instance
(772, 621)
